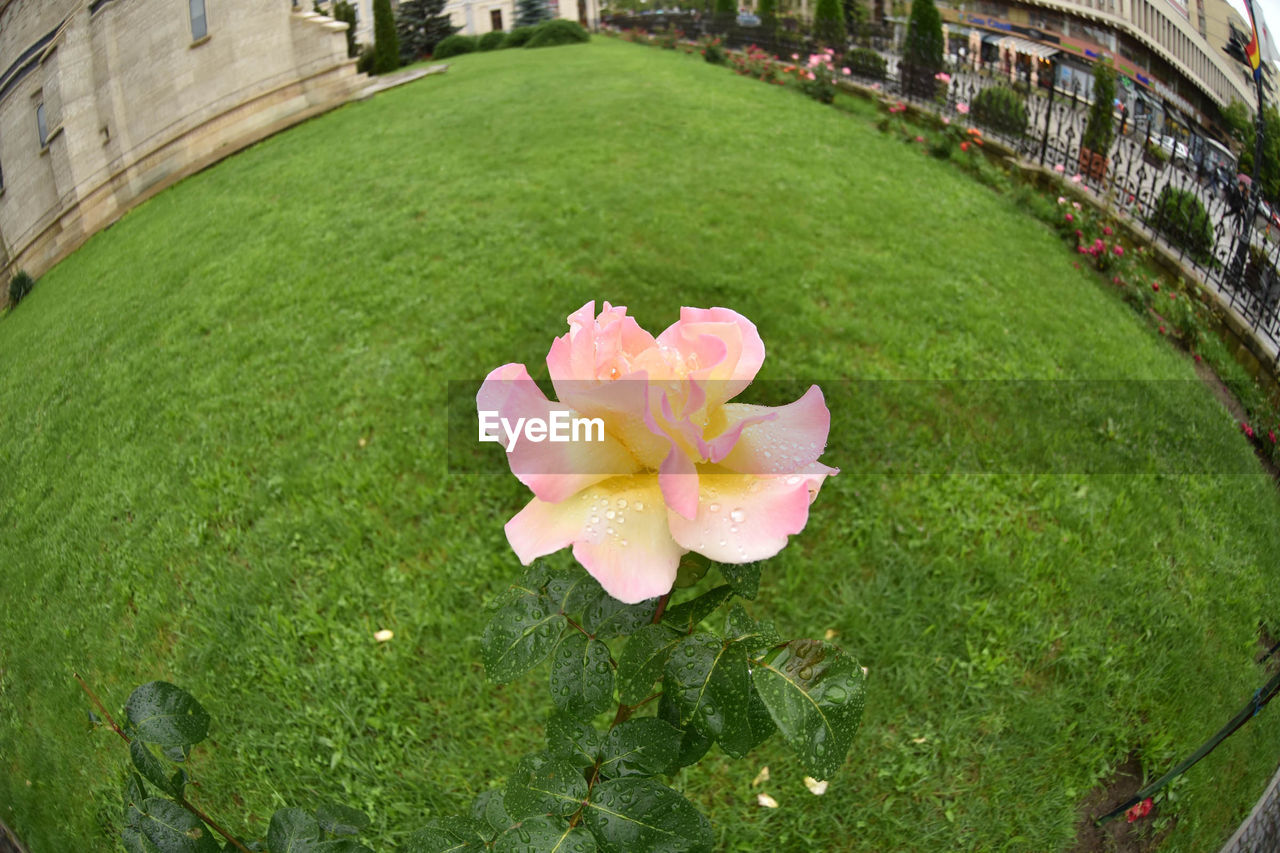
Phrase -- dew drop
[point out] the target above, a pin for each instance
(723, 543)
(609, 530)
(610, 514)
(714, 507)
(639, 506)
(595, 519)
(623, 543)
(836, 694)
(791, 481)
(806, 673)
(738, 516)
(622, 503)
(733, 529)
(768, 455)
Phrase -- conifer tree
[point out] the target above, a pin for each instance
(828, 25)
(386, 47)
(922, 52)
(420, 26)
(530, 13)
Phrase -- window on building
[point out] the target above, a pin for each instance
(42, 126)
(199, 26)
(495, 20)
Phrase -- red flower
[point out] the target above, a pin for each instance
(1116, 280)
(1271, 434)
(1162, 330)
(1106, 229)
(1155, 285)
(1197, 356)
(1142, 809)
(964, 146)
(1070, 218)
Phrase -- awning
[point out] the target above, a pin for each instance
(991, 38)
(1028, 48)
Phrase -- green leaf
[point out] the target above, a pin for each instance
(544, 835)
(693, 743)
(173, 829)
(449, 834)
(606, 617)
(135, 842)
(684, 617)
(744, 578)
(487, 808)
(520, 635)
(754, 635)
(338, 819)
(693, 567)
(759, 728)
(543, 785)
(642, 661)
(134, 794)
(815, 693)
(581, 676)
(166, 715)
(154, 771)
(292, 830)
(636, 813)
(572, 739)
(711, 685)
(645, 746)
(569, 590)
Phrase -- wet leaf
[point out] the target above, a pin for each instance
(643, 659)
(173, 829)
(684, 617)
(488, 809)
(712, 687)
(520, 635)
(581, 676)
(693, 743)
(154, 770)
(740, 627)
(814, 692)
(338, 819)
(542, 784)
(544, 835)
(744, 578)
(607, 617)
(448, 835)
(572, 739)
(163, 714)
(635, 813)
(645, 746)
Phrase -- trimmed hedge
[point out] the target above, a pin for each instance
(865, 62)
(518, 37)
(1181, 218)
(1000, 109)
(454, 45)
(556, 32)
(492, 40)
(19, 286)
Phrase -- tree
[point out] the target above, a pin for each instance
(1270, 153)
(856, 17)
(386, 47)
(828, 25)
(530, 13)
(1101, 128)
(420, 26)
(345, 12)
(922, 52)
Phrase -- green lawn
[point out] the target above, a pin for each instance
(223, 464)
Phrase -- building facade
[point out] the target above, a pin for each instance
(1170, 56)
(103, 103)
(477, 17)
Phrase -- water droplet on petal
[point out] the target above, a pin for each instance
(609, 530)
(639, 506)
(738, 516)
(733, 529)
(714, 507)
(791, 481)
(610, 514)
(623, 543)
(622, 503)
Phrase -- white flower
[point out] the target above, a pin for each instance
(767, 801)
(815, 787)
(383, 635)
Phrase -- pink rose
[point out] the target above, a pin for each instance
(942, 76)
(1059, 168)
(1070, 218)
(846, 71)
(677, 468)
(962, 108)
(1075, 179)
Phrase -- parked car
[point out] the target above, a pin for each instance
(1174, 150)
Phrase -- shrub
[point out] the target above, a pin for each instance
(865, 62)
(518, 37)
(828, 25)
(454, 45)
(712, 51)
(1000, 109)
(922, 51)
(19, 286)
(492, 40)
(345, 12)
(556, 32)
(1181, 217)
(364, 65)
(667, 40)
(386, 44)
(1101, 128)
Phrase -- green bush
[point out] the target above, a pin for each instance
(865, 62)
(1101, 128)
(1181, 217)
(364, 65)
(558, 31)
(518, 37)
(19, 286)
(386, 44)
(492, 40)
(828, 24)
(454, 45)
(1000, 109)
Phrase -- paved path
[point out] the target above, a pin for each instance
(397, 78)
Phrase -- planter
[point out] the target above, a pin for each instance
(1093, 165)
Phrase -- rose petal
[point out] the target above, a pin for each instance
(815, 787)
(678, 478)
(793, 438)
(742, 518)
(552, 470)
(742, 350)
(767, 801)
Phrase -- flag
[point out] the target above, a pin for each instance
(1252, 52)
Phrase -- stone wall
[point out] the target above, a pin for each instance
(133, 103)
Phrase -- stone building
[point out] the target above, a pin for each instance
(103, 103)
(477, 17)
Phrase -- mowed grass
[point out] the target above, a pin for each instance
(223, 464)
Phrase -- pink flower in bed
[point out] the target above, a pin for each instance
(676, 467)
